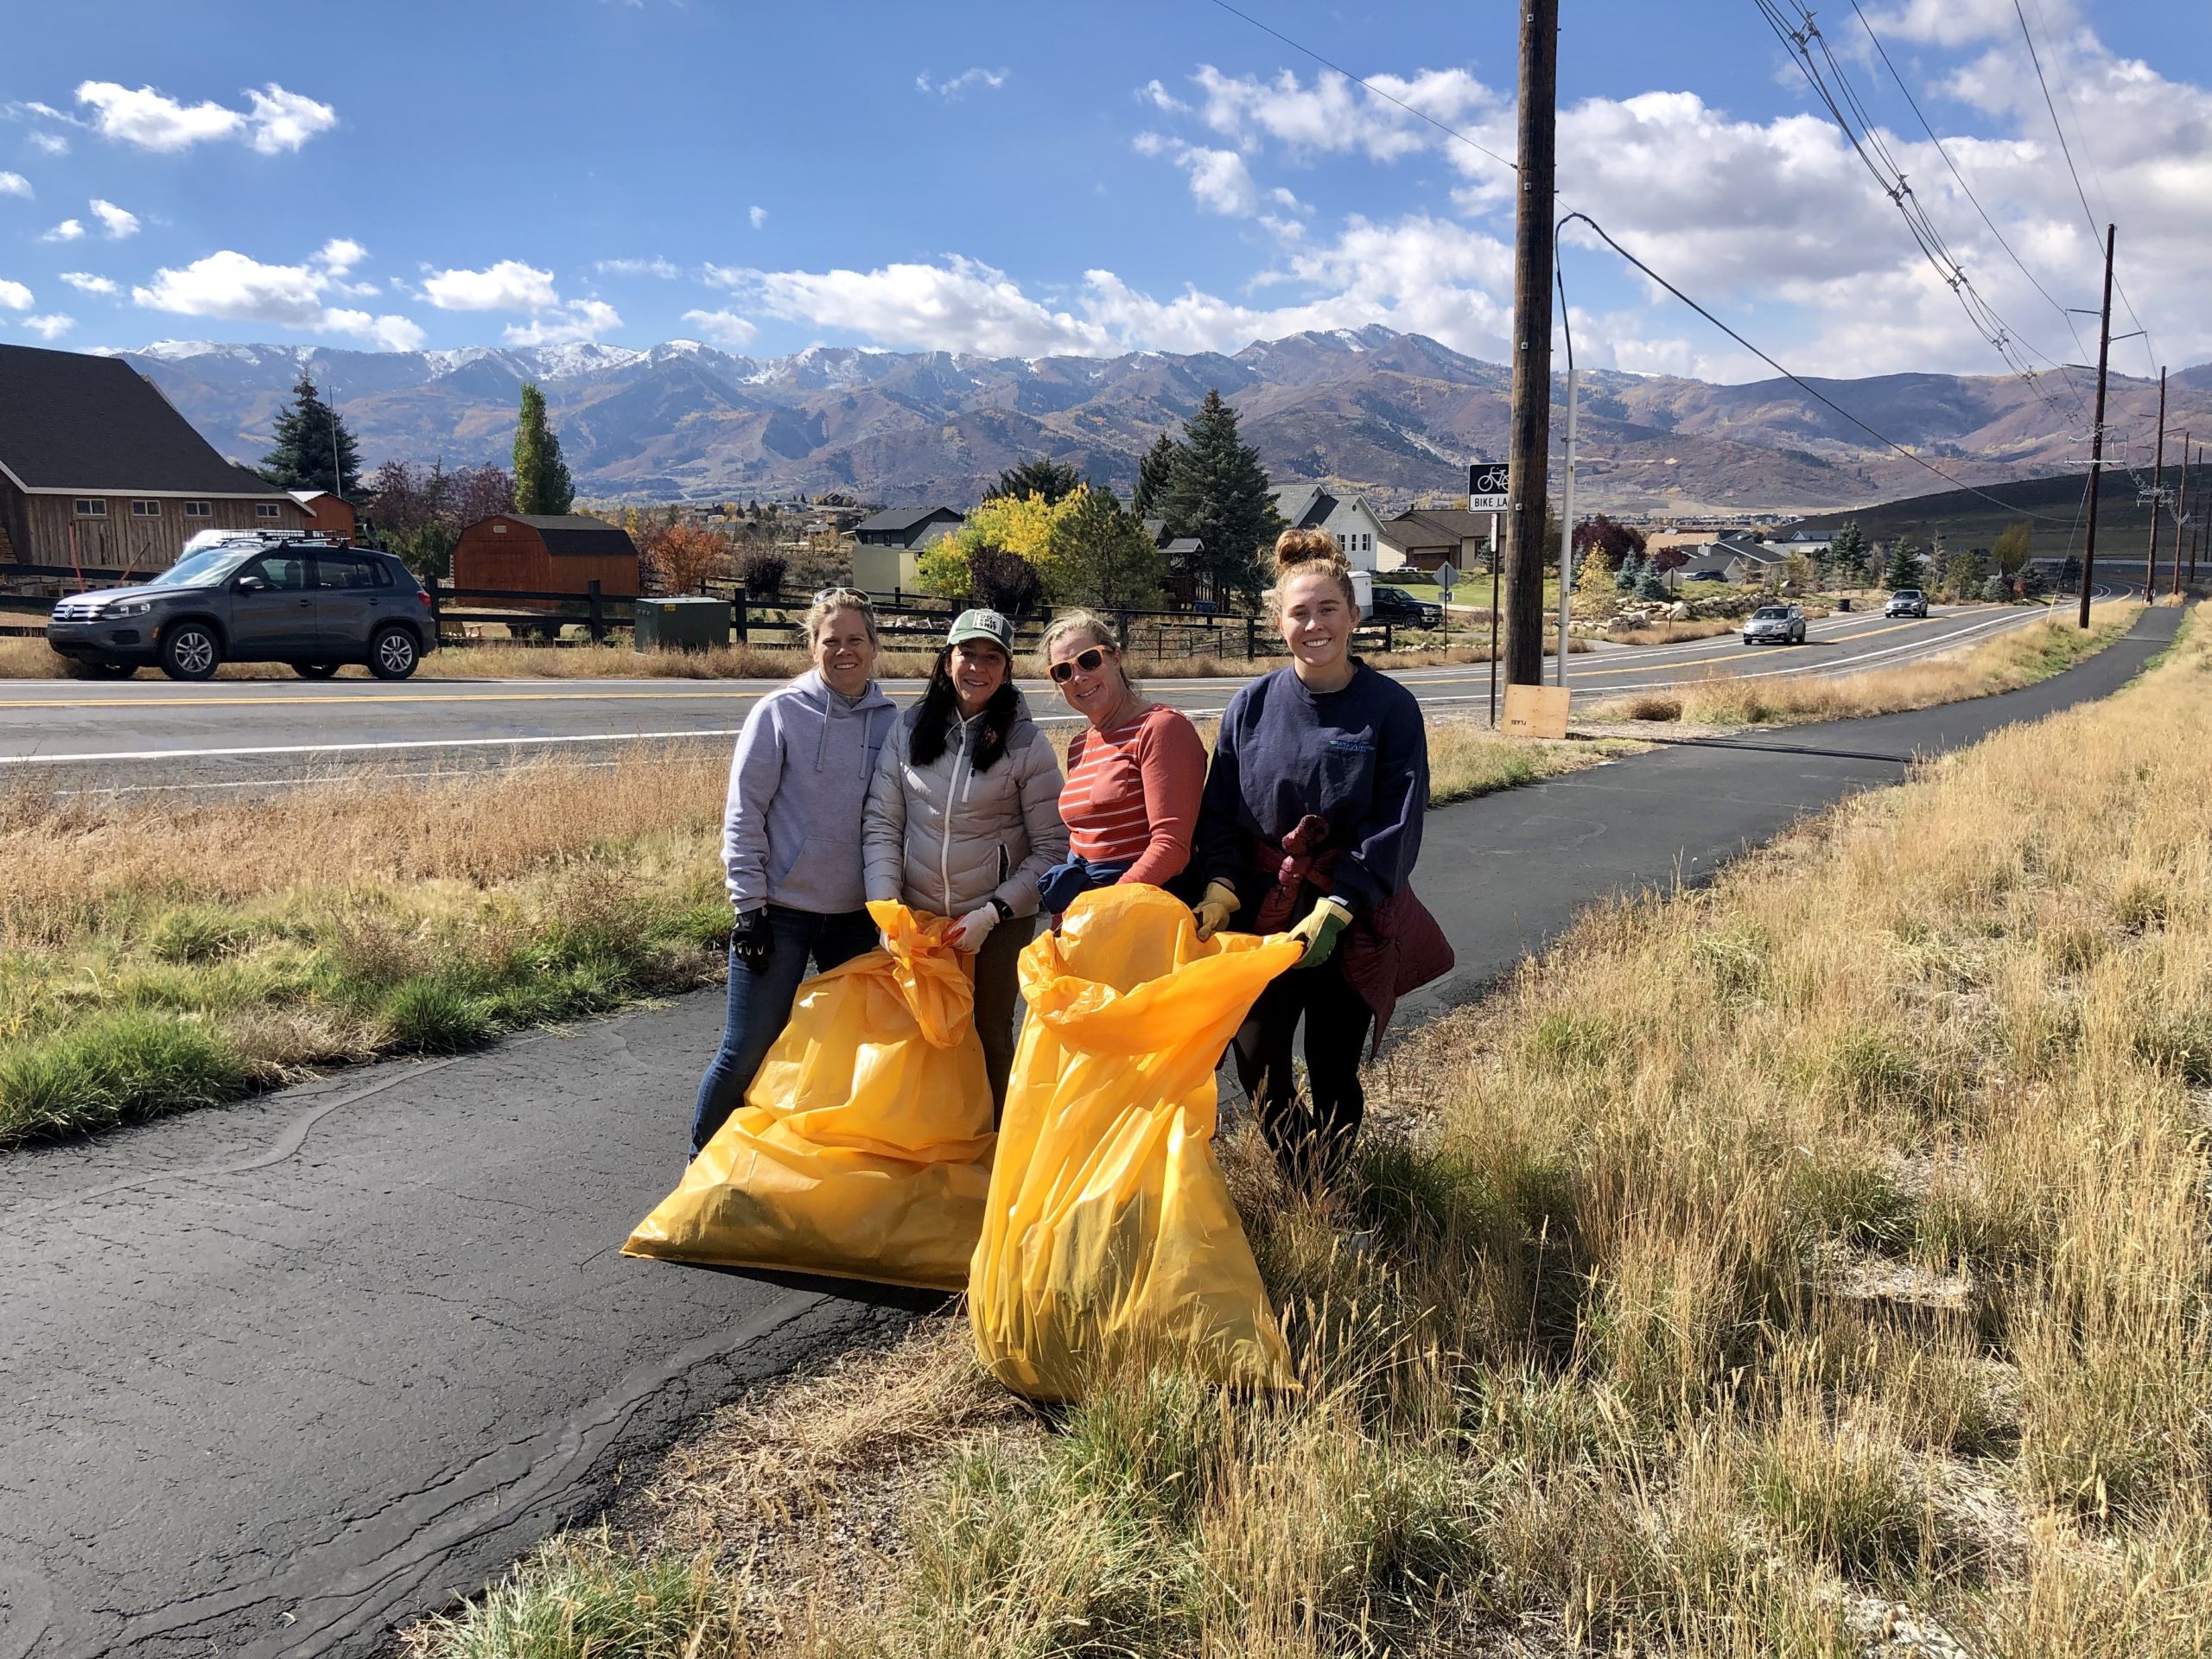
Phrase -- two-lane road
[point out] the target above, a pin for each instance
(151, 734)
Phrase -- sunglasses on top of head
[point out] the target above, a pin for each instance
(1089, 661)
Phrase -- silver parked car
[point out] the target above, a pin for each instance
(254, 597)
(1775, 625)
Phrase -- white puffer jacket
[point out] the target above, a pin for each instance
(944, 837)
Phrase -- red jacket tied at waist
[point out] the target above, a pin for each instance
(1395, 948)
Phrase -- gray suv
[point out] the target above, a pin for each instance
(249, 598)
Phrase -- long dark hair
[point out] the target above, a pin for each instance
(941, 707)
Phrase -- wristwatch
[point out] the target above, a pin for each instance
(1005, 910)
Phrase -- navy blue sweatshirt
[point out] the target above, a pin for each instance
(1358, 757)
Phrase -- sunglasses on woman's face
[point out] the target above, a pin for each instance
(1089, 661)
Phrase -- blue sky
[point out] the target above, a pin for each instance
(1024, 179)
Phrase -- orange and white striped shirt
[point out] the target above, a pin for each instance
(1133, 793)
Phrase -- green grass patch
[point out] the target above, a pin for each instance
(114, 1068)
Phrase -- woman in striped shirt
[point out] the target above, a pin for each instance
(1134, 773)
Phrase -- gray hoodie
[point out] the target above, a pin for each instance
(798, 783)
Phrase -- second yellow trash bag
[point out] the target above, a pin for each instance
(1109, 1229)
(863, 1147)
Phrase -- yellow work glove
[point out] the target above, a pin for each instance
(1215, 909)
(1319, 927)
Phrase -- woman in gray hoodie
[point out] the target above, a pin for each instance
(964, 815)
(791, 841)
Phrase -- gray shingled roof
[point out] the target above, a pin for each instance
(897, 519)
(71, 422)
(1302, 505)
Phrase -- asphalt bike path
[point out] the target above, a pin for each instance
(280, 1375)
(79, 736)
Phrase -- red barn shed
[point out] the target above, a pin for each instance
(509, 553)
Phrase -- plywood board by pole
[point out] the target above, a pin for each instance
(1535, 711)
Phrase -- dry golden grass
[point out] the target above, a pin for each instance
(1818, 1264)
(2011, 660)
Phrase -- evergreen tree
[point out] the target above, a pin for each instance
(1101, 557)
(314, 449)
(1651, 583)
(1847, 556)
(1904, 569)
(542, 481)
(1218, 492)
(1055, 480)
(1629, 574)
(1153, 473)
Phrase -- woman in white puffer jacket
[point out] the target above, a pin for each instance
(963, 816)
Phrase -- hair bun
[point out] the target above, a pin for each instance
(1295, 548)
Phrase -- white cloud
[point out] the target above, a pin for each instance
(231, 286)
(961, 305)
(275, 121)
(655, 266)
(49, 143)
(1220, 182)
(394, 333)
(580, 319)
(68, 231)
(964, 83)
(280, 120)
(15, 295)
(759, 216)
(722, 327)
(117, 222)
(340, 255)
(53, 326)
(14, 184)
(86, 282)
(510, 285)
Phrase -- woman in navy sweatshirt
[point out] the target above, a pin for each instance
(1311, 823)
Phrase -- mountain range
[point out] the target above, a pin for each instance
(1398, 416)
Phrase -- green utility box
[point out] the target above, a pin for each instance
(681, 624)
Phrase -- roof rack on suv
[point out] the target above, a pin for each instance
(244, 537)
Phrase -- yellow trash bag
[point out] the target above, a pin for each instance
(863, 1147)
(1109, 1229)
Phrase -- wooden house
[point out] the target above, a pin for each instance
(99, 471)
(510, 553)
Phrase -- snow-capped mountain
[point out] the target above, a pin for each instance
(1397, 414)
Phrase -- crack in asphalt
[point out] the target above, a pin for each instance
(396, 1549)
(287, 1145)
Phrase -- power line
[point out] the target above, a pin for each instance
(1802, 384)
(1441, 126)
(1802, 39)
(1941, 149)
(2066, 151)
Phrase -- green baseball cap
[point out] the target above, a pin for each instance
(982, 625)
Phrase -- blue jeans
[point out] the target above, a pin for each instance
(760, 1004)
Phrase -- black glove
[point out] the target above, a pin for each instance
(750, 938)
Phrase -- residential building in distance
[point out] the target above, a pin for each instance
(1357, 526)
(1423, 538)
(888, 558)
(99, 471)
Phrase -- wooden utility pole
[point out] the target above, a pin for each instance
(2181, 512)
(2157, 492)
(1532, 344)
(2097, 432)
